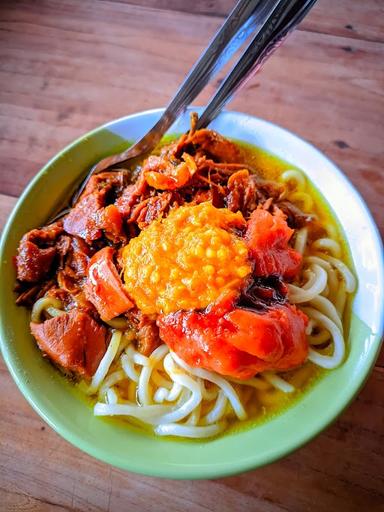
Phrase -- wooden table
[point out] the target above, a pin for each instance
(68, 66)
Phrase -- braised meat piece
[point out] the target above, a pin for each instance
(103, 286)
(88, 218)
(74, 341)
(36, 253)
(147, 332)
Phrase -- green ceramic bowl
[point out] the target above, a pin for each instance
(66, 412)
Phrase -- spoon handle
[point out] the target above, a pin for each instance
(283, 20)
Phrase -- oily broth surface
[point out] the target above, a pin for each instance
(262, 405)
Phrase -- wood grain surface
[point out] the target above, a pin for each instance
(67, 66)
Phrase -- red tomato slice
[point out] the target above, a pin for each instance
(239, 343)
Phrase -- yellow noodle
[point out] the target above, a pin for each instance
(42, 305)
(305, 200)
(295, 177)
(327, 244)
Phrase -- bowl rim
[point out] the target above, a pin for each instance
(213, 471)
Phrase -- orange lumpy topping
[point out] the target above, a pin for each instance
(186, 260)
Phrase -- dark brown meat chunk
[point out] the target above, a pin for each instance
(110, 220)
(202, 195)
(74, 341)
(29, 293)
(109, 181)
(131, 195)
(81, 220)
(74, 255)
(262, 293)
(267, 189)
(147, 332)
(213, 145)
(151, 209)
(36, 253)
(74, 258)
(63, 246)
(246, 191)
(79, 257)
(33, 263)
(84, 219)
(127, 199)
(242, 192)
(296, 218)
(148, 338)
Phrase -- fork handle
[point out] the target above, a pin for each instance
(246, 18)
(284, 19)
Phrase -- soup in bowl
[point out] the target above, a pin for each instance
(208, 293)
